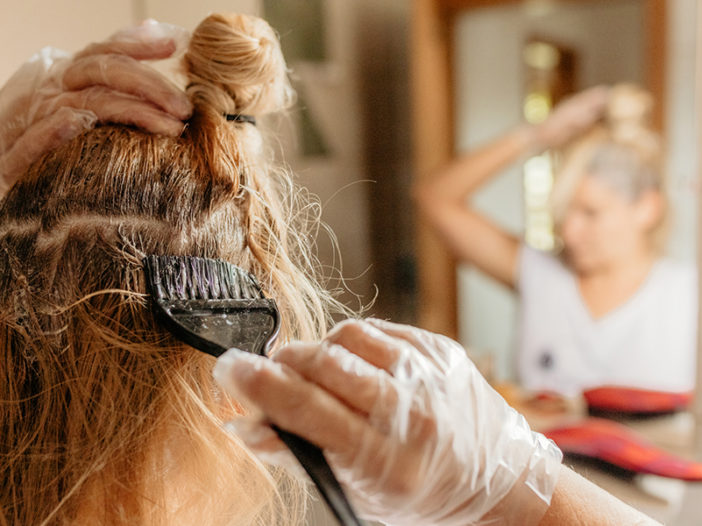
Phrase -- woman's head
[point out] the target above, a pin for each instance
(609, 198)
(105, 418)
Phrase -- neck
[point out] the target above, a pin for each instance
(626, 268)
(609, 286)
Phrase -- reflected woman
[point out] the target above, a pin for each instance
(609, 309)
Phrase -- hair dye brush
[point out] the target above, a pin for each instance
(213, 306)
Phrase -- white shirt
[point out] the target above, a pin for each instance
(649, 342)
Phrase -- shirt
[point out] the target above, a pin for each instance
(649, 342)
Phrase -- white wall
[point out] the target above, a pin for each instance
(489, 80)
(28, 25)
(188, 14)
(681, 128)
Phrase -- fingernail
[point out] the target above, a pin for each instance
(340, 327)
(182, 106)
(168, 126)
(251, 431)
(223, 370)
(234, 365)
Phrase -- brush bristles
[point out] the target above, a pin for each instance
(189, 278)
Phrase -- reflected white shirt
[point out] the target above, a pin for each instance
(648, 342)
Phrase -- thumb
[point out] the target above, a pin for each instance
(41, 138)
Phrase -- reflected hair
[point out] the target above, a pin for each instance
(623, 151)
(104, 418)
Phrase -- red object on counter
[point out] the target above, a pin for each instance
(616, 444)
(631, 400)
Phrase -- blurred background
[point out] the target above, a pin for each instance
(391, 89)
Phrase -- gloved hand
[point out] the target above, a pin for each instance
(414, 433)
(54, 97)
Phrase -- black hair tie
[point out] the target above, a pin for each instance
(238, 117)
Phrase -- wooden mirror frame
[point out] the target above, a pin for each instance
(431, 60)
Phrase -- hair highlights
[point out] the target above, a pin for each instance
(105, 418)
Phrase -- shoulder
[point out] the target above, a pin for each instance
(538, 259)
(673, 286)
(680, 275)
(539, 268)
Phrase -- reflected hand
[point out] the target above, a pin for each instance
(55, 97)
(414, 433)
(572, 117)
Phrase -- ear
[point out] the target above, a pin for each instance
(649, 209)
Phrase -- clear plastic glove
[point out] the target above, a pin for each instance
(54, 96)
(572, 117)
(412, 430)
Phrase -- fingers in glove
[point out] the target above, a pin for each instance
(351, 379)
(256, 434)
(43, 136)
(124, 74)
(112, 107)
(265, 444)
(368, 342)
(293, 403)
(439, 350)
(139, 49)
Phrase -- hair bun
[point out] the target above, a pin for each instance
(629, 112)
(235, 64)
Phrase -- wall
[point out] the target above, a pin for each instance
(331, 99)
(489, 82)
(383, 71)
(29, 25)
(682, 130)
(187, 14)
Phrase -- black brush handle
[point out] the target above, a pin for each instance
(316, 466)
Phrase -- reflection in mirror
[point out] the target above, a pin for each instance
(513, 63)
(504, 69)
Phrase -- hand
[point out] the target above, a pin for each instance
(412, 430)
(55, 97)
(572, 117)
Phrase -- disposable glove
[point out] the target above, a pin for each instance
(413, 431)
(55, 96)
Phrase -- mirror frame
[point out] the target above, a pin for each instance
(431, 62)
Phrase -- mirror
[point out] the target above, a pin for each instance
(609, 43)
(644, 41)
(470, 81)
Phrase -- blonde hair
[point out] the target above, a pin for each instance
(104, 417)
(623, 151)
